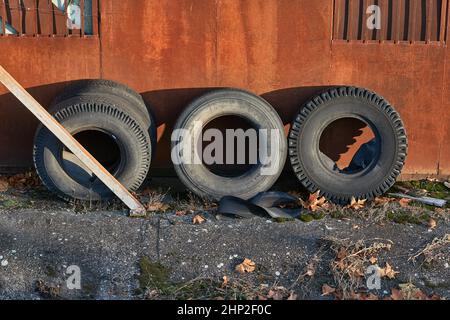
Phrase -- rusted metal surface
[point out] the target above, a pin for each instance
(173, 50)
(70, 142)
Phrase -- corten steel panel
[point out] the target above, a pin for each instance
(44, 66)
(410, 77)
(444, 163)
(171, 51)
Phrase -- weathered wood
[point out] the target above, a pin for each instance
(70, 142)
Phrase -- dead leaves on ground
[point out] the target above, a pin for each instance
(380, 201)
(4, 185)
(247, 266)
(404, 203)
(387, 271)
(327, 290)
(315, 202)
(351, 263)
(20, 181)
(373, 260)
(157, 206)
(225, 281)
(432, 224)
(198, 219)
(409, 291)
(357, 204)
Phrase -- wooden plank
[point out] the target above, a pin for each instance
(70, 142)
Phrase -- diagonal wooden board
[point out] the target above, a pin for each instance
(71, 143)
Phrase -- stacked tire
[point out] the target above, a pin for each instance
(96, 112)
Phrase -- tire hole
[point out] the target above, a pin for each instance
(229, 161)
(349, 146)
(102, 146)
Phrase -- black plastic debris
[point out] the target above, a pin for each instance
(262, 205)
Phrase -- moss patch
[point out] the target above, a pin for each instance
(404, 217)
(435, 189)
(153, 275)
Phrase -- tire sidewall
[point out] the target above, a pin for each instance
(231, 103)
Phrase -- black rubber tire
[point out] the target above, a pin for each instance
(343, 102)
(135, 105)
(104, 114)
(226, 102)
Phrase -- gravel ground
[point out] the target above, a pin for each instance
(108, 247)
(167, 256)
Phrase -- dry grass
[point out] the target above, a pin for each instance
(350, 263)
(432, 251)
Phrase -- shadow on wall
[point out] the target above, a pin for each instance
(17, 125)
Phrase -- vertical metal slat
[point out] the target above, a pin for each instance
(95, 17)
(19, 10)
(383, 33)
(82, 18)
(4, 17)
(429, 20)
(444, 21)
(353, 20)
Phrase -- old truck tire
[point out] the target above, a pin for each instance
(107, 131)
(388, 149)
(135, 104)
(260, 114)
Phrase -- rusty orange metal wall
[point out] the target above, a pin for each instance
(43, 65)
(173, 50)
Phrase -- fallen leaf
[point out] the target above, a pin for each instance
(396, 294)
(4, 185)
(315, 202)
(24, 180)
(356, 204)
(432, 224)
(157, 207)
(404, 202)
(373, 260)
(198, 219)
(225, 281)
(364, 296)
(327, 290)
(382, 200)
(388, 271)
(246, 266)
(310, 270)
(276, 295)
